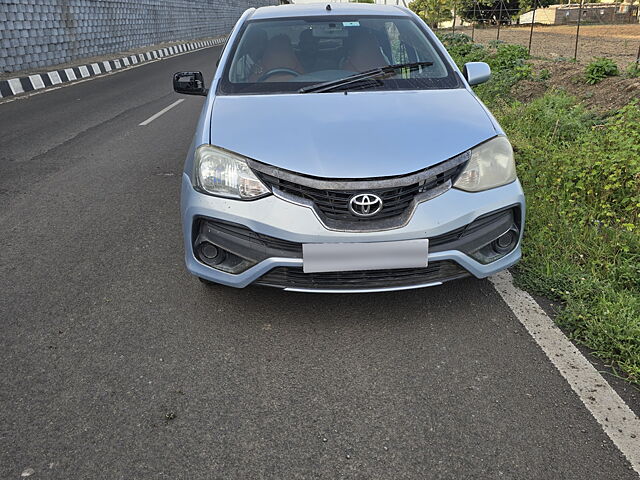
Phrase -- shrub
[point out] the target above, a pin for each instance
(508, 56)
(599, 69)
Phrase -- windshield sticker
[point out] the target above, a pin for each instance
(350, 24)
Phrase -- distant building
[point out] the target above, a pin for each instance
(589, 13)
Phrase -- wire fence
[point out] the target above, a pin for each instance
(580, 31)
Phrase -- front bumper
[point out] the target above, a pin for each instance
(294, 224)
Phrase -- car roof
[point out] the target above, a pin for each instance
(320, 9)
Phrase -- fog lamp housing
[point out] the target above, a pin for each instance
(497, 248)
(214, 256)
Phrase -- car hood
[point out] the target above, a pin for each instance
(359, 135)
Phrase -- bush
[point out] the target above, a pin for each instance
(508, 57)
(599, 69)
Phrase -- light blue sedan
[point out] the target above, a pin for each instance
(340, 149)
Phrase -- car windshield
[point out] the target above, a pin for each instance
(285, 55)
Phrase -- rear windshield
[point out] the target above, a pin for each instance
(284, 55)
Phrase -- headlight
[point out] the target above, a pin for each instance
(226, 174)
(491, 165)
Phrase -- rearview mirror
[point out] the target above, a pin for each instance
(476, 72)
(189, 83)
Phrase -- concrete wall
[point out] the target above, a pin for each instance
(38, 33)
(597, 13)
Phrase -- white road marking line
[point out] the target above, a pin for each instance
(161, 112)
(617, 420)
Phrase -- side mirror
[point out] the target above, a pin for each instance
(476, 72)
(189, 83)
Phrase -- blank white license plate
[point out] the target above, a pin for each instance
(341, 257)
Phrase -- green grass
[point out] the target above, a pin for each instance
(582, 241)
(581, 176)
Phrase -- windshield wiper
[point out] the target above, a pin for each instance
(368, 74)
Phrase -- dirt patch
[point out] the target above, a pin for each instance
(610, 94)
(617, 42)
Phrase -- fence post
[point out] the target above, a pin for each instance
(473, 23)
(499, 21)
(454, 18)
(575, 52)
(638, 58)
(533, 19)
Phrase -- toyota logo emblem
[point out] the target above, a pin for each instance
(365, 204)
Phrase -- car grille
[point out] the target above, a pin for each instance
(332, 204)
(294, 277)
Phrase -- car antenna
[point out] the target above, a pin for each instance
(328, 7)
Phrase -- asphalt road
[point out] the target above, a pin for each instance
(117, 364)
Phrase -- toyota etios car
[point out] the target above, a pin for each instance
(341, 150)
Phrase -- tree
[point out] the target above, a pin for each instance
(528, 5)
(493, 11)
(432, 11)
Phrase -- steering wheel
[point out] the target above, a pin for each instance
(275, 71)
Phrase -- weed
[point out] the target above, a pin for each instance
(543, 75)
(599, 69)
(633, 70)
